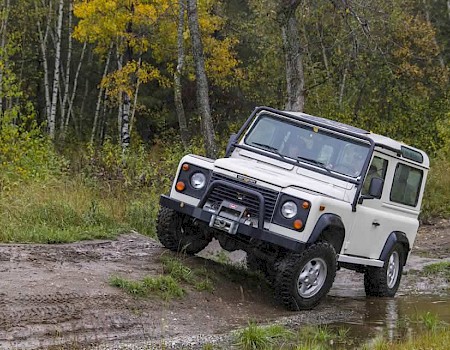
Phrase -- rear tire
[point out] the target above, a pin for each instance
(384, 281)
(177, 232)
(304, 279)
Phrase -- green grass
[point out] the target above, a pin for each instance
(428, 340)
(440, 269)
(165, 287)
(279, 337)
(432, 334)
(255, 337)
(170, 284)
(73, 209)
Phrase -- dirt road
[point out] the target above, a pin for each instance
(53, 295)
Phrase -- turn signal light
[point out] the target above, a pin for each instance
(298, 224)
(305, 205)
(185, 166)
(180, 186)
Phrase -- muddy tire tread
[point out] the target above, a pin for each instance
(375, 280)
(169, 233)
(287, 269)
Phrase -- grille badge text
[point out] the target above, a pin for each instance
(246, 179)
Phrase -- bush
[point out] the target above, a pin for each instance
(25, 154)
(436, 202)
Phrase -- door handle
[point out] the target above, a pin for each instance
(375, 223)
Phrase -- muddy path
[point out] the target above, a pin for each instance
(52, 295)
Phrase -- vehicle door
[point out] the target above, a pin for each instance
(370, 228)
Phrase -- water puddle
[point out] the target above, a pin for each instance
(392, 319)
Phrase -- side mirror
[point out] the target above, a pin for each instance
(375, 190)
(376, 187)
(231, 141)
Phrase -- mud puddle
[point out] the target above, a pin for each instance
(392, 319)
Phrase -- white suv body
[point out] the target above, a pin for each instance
(296, 192)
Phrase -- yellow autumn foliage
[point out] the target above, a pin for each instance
(106, 21)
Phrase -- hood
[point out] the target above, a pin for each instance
(282, 175)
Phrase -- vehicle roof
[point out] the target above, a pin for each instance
(379, 140)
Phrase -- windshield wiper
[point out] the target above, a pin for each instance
(270, 148)
(314, 162)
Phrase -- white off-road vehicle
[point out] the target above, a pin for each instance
(302, 196)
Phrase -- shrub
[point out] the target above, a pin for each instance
(25, 154)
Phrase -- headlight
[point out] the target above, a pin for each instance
(289, 209)
(198, 181)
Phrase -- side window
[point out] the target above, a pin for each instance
(406, 185)
(377, 168)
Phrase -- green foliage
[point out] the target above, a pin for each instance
(25, 155)
(436, 202)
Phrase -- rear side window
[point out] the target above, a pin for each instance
(406, 185)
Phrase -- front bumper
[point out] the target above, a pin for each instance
(242, 229)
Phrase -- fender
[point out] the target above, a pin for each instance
(325, 221)
(395, 237)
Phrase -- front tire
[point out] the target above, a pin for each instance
(177, 232)
(304, 279)
(384, 281)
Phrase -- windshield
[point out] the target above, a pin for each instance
(308, 144)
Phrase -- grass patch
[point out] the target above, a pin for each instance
(200, 279)
(169, 285)
(279, 337)
(436, 340)
(440, 269)
(261, 337)
(165, 287)
(68, 210)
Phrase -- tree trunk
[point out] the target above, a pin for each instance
(177, 87)
(100, 95)
(448, 9)
(126, 103)
(3, 55)
(43, 46)
(75, 86)
(125, 121)
(136, 93)
(295, 80)
(52, 116)
(67, 78)
(202, 82)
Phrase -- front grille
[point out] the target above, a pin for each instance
(248, 200)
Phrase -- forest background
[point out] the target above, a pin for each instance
(99, 99)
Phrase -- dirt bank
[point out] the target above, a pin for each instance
(59, 294)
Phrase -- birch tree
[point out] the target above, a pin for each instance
(124, 23)
(55, 89)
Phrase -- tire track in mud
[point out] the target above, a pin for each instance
(51, 294)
